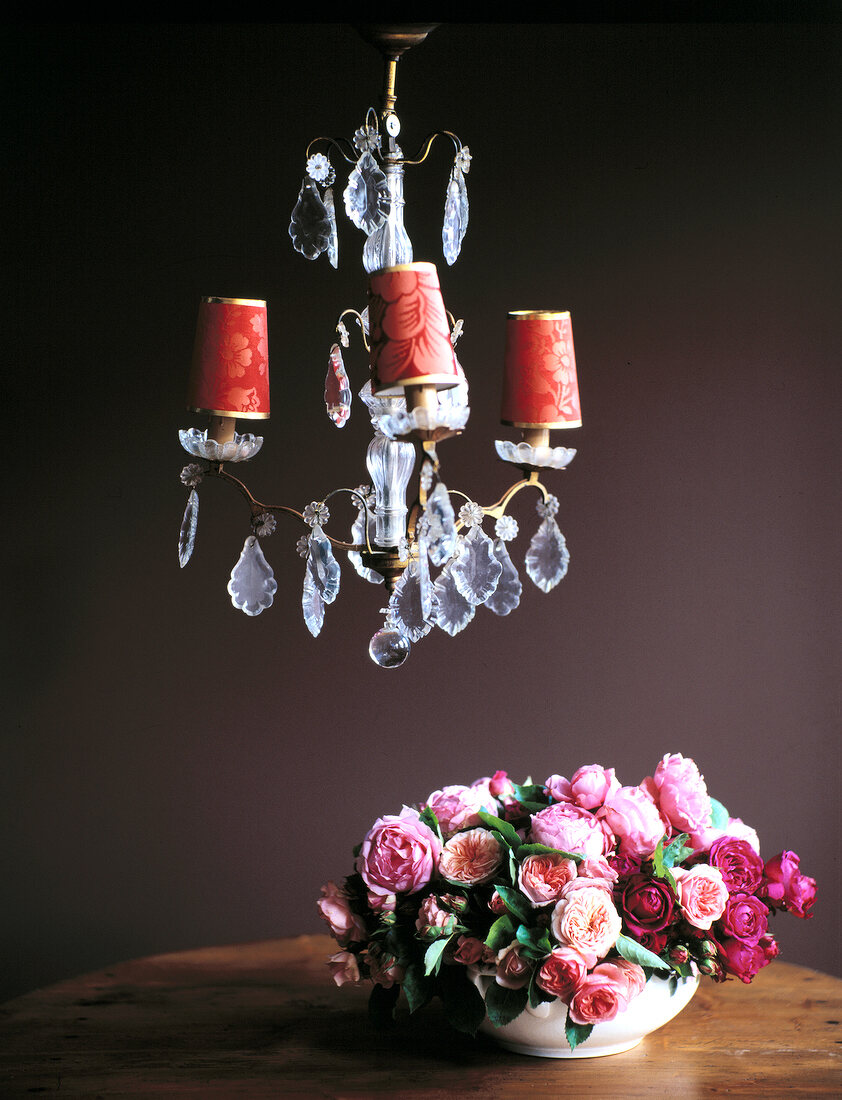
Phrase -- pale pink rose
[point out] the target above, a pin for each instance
(543, 877)
(634, 819)
(562, 972)
(383, 968)
(433, 920)
(343, 967)
(458, 807)
(569, 828)
(592, 785)
(604, 994)
(581, 882)
(381, 903)
(587, 921)
(558, 788)
(345, 925)
(598, 867)
(682, 794)
(398, 854)
(628, 972)
(513, 970)
(702, 894)
(471, 858)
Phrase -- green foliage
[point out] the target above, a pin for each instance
(630, 949)
(428, 816)
(677, 851)
(516, 903)
(660, 868)
(433, 956)
(503, 830)
(576, 1033)
(501, 933)
(504, 1005)
(529, 793)
(542, 850)
(418, 986)
(534, 941)
(719, 816)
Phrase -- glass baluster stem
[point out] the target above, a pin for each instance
(390, 245)
(390, 464)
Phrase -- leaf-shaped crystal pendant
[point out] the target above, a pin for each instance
(309, 226)
(325, 566)
(187, 534)
(453, 612)
(547, 558)
(337, 388)
(407, 605)
(455, 215)
(506, 596)
(367, 198)
(312, 603)
(476, 571)
(354, 557)
(252, 585)
(333, 242)
(441, 536)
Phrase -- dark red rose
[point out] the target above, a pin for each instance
(624, 864)
(656, 942)
(745, 918)
(740, 866)
(646, 904)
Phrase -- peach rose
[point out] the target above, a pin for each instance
(702, 894)
(543, 877)
(471, 857)
(587, 921)
(604, 994)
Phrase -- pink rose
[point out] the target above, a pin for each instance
(702, 894)
(635, 820)
(744, 960)
(682, 794)
(598, 868)
(513, 970)
(746, 918)
(433, 921)
(628, 972)
(741, 866)
(787, 888)
(569, 828)
(398, 854)
(472, 952)
(543, 877)
(458, 807)
(345, 925)
(384, 968)
(561, 973)
(587, 921)
(471, 858)
(558, 788)
(605, 993)
(344, 967)
(592, 785)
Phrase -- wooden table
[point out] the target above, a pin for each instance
(265, 1019)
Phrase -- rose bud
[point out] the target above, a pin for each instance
(679, 954)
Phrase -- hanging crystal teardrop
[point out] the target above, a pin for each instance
(309, 226)
(455, 215)
(312, 603)
(476, 571)
(506, 596)
(252, 586)
(367, 197)
(187, 534)
(326, 572)
(337, 388)
(453, 612)
(548, 557)
(333, 240)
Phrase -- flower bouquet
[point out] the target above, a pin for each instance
(500, 897)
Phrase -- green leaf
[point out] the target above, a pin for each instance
(516, 903)
(381, 1004)
(530, 792)
(535, 942)
(428, 816)
(661, 869)
(533, 807)
(433, 956)
(576, 1033)
(537, 995)
(542, 850)
(507, 831)
(504, 1005)
(719, 816)
(462, 1001)
(677, 851)
(633, 951)
(501, 933)
(417, 986)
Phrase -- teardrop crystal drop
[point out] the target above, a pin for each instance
(506, 596)
(309, 226)
(187, 534)
(252, 586)
(548, 557)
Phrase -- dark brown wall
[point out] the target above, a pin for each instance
(175, 773)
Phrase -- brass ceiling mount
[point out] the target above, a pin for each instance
(392, 40)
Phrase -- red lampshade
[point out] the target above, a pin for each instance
(540, 389)
(408, 330)
(230, 371)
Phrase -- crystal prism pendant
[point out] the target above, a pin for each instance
(367, 197)
(312, 603)
(333, 241)
(325, 567)
(187, 534)
(354, 557)
(337, 388)
(252, 586)
(407, 605)
(548, 557)
(455, 215)
(476, 571)
(309, 226)
(453, 612)
(441, 535)
(506, 596)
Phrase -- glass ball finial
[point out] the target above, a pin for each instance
(389, 647)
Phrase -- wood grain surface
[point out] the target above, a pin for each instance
(265, 1019)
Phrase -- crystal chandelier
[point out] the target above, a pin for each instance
(437, 564)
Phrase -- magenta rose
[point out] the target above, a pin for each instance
(745, 918)
(787, 888)
(569, 828)
(682, 795)
(635, 820)
(702, 894)
(592, 785)
(744, 960)
(646, 904)
(605, 993)
(398, 855)
(741, 866)
(561, 973)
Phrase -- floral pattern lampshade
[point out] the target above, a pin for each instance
(409, 333)
(230, 370)
(540, 389)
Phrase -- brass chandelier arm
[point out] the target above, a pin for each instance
(427, 145)
(499, 509)
(339, 144)
(258, 507)
(359, 317)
